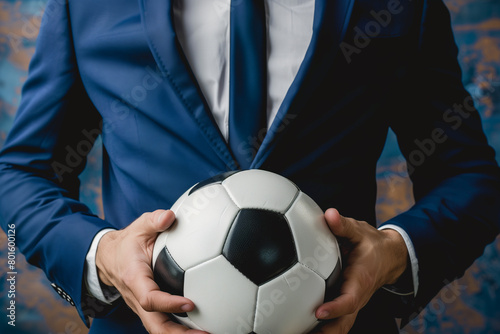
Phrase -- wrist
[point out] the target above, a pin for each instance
(102, 253)
(397, 253)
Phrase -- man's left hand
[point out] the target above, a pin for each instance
(373, 259)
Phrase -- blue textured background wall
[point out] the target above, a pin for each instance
(469, 305)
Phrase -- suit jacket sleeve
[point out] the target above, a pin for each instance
(453, 170)
(44, 153)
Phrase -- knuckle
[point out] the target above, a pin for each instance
(146, 303)
(352, 304)
(169, 305)
(159, 327)
(367, 280)
(129, 277)
(157, 212)
(153, 330)
(355, 223)
(139, 221)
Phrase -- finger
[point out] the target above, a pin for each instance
(174, 328)
(342, 305)
(338, 326)
(164, 219)
(149, 296)
(341, 226)
(157, 322)
(159, 301)
(152, 223)
(348, 302)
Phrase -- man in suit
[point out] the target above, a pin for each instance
(158, 80)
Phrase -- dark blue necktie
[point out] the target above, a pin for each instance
(248, 79)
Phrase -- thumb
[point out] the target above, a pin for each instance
(341, 226)
(152, 223)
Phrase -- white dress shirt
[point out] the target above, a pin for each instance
(202, 27)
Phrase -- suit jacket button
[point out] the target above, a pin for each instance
(62, 293)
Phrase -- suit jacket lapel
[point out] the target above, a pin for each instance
(331, 18)
(157, 18)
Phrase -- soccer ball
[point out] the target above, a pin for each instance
(252, 252)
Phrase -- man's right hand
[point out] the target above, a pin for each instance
(123, 260)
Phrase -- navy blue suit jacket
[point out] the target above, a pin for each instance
(115, 67)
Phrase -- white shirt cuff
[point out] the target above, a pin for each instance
(411, 253)
(94, 286)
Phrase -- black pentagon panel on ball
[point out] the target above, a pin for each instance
(169, 276)
(214, 179)
(260, 245)
(333, 283)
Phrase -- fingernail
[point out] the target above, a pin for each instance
(323, 315)
(186, 308)
(162, 215)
